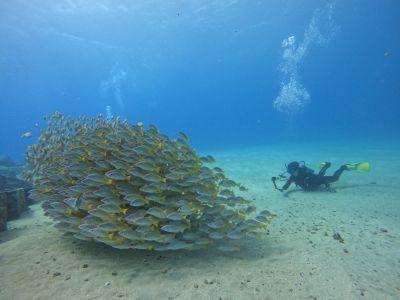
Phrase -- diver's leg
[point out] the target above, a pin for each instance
(314, 182)
(324, 168)
(335, 176)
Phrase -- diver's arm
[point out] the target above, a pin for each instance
(286, 185)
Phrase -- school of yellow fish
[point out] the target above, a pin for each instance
(135, 188)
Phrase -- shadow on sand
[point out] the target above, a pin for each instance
(250, 250)
(344, 187)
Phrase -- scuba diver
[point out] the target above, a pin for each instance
(305, 177)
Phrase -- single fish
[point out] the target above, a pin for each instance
(234, 235)
(54, 213)
(145, 221)
(215, 224)
(153, 178)
(150, 188)
(174, 227)
(115, 175)
(136, 172)
(99, 213)
(267, 213)
(109, 208)
(95, 177)
(137, 202)
(73, 220)
(218, 170)
(145, 166)
(110, 226)
(190, 236)
(207, 159)
(92, 220)
(156, 212)
(118, 164)
(73, 202)
(228, 183)
(104, 191)
(243, 188)
(131, 234)
(86, 227)
(216, 235)
(158, 198)
(177, 245)
(27, 135)
(175, 216)
(98, 232)
(205, 199)
(183, 136)
(173, 176)
(60, 207)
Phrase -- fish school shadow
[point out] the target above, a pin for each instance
(251, 249)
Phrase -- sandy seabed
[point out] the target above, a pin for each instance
(300, 259)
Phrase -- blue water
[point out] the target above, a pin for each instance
(212, 69)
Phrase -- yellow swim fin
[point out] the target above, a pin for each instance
(362, 166)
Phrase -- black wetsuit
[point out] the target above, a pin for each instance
(308, 180)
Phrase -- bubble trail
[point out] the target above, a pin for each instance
(293, 97)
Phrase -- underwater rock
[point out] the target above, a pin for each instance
(16, 203)
(130, 187)
(13, 191)
(6, 161)
(337, 237)
(12, 204)
(8, 168)
(10, 184)
(3, 215)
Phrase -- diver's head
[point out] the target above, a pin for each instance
(293, 168)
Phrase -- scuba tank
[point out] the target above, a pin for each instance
(305, 169)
